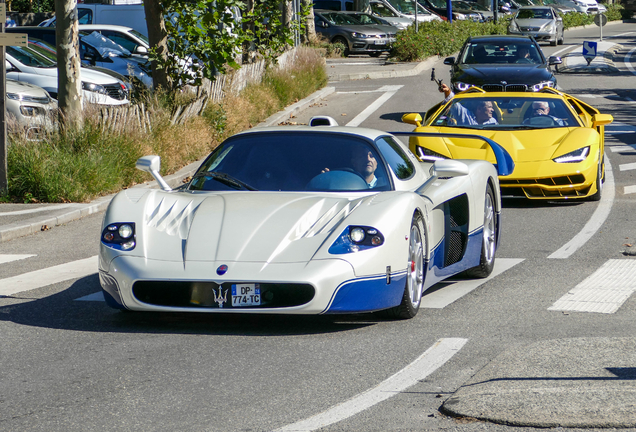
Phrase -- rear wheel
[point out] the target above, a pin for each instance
(412, 296)
(560, 42)
(489, 239)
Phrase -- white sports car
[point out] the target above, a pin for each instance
(302, 220)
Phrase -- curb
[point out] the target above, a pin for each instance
(421, 66)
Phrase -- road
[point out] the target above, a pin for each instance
(69, 363)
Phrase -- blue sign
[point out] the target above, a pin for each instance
(589, 49)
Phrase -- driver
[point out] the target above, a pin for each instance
(483, 114)
(542, 108)
(365, 163)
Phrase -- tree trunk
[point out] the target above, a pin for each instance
(69, 83)
(248, 26)
(158, 37)
(310, 25)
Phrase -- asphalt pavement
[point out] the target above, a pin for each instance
(583, 382)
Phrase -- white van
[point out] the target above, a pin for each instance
(128, 15)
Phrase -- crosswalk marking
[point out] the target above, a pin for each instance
(48, 276)
(627, 167)
(604, 291)
(621, 148)
(453, 290)
(629, 189)
(9, 258)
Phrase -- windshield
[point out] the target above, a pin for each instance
(500, 112)
(407, 8)
(382, 10)
(366, 19)
(280, 161)
(30, 57)
(340, 19)
(104, 46)
(534, 14)
(141, 36)
(43, 48)
(506, 52)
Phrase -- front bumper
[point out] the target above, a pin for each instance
(371, 45)
(551, 180)
(317, 287)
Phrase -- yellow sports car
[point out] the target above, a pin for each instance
(556, 141)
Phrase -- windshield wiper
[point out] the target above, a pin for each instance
(226, 179)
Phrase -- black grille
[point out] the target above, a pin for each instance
(501, 88)
(516, 87)
(493, 87)
(550, 181)
(201, 295)
(115, 91)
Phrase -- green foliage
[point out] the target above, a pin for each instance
(25, 6)
(441, 38)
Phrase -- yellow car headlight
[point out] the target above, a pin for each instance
(575, 156)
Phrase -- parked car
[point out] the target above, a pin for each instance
(30, 109)
(439, 7)
(406, 9)
(383, 10)
(314, 241)
(132, 15)
(357, 38)
(585, 6)
(334, 5)
(543, 23)
(98, 50)
(501, 63)
(129, 38)
(555, 140)
(25, 64)
(559, 7)
(372, 20)
(486, 14)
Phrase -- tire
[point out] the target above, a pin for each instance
(412, 296)
(343, 41)
(599, 183)
(555, 41)
(489, 239)
(560, 42)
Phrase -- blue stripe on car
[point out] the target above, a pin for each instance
(368, 294)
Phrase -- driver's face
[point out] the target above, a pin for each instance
(363, 161)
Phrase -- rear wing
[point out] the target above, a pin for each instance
(505, 165)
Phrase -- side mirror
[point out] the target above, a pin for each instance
(141, 50)
(413, 118)
(554, 60)
(9, 67)
(449, 61)
(449, 168)
(602, 120)
(152, 165)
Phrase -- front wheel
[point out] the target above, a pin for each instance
(412, 296)
(489, 239)
(599, 183)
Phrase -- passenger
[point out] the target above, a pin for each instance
(483, 114)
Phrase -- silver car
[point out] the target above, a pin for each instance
(541, 22)
(357, 38)
(30, 109)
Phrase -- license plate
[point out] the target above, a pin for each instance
(246, 295)
(380, 42)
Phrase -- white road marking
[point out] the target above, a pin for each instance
(35, 210)
(448, 294)
(598, 217)
(435, 357)
(357, 120)
(629, 190)
(48, 276)
(627, 167)
(95, 297)
(9, 258)
(620, 148)
(382, 89)
(604, 291)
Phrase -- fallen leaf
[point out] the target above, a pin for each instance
(45, 228)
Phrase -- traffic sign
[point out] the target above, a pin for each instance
(14, 39)
(600, 20)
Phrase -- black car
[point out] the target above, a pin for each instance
(502, 63)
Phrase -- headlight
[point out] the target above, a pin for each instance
(120, 236)
(459, 16)
(549, 27)
(574, 156)
(29, 111)
(541, 85)
(460, 86)
(355, 239)
(96, 88)
(361, 35)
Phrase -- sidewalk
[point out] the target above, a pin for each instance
(17, 220)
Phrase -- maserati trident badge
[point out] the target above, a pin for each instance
(221, 298)
(221, 270)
